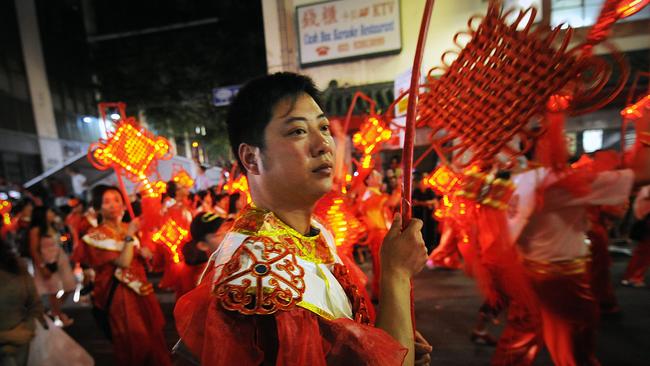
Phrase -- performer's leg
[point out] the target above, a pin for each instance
(521, 339)
(639, 263)
(569, 316)
(601, 281)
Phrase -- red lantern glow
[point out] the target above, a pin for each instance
(5, 209)
(182, 178)
(172, 235)
(442, 180)
(371, 135)
(130, 149)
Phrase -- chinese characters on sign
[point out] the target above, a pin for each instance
(342, 29)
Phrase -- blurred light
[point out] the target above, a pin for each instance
(115, 116)
(195, 144)
(87, 119)
(60, 294)
(3, 196)
(592, 140)
(203, 133)
(197, 130)
(14, 194)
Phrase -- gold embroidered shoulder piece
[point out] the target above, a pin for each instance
(254, 221)
(261, 277)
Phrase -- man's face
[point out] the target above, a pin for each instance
(297, 161)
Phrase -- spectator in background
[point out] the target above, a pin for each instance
(78, 182)
(201, 183)
(424, 203)
(207, 231)
(52, 272)
(20, 306)
(395, 167)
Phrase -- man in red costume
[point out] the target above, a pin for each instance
(279, 294)
(550, 231)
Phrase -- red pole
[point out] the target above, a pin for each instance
(409, 134)
(125, 194)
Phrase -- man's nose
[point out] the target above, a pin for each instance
(321, 144)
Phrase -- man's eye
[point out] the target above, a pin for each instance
(325, 128)
(297, 132)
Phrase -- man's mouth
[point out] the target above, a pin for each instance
(325, 168)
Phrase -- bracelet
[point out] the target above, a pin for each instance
(128, 239)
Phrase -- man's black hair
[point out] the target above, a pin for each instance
(252, 108)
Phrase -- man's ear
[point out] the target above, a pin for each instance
(248, 155)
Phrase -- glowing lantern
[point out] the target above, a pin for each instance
(339, 217)
(634, 111)
(442, 180)
(155, 189)
(371, 135)
(239, 185)
(172, 235)
(130, 150)
(5, 209)
(182, 178)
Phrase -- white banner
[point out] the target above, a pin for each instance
(336, 30)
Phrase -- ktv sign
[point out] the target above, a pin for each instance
(338, 30)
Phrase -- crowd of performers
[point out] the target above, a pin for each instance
(261, 277)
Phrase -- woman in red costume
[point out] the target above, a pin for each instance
(122, 293)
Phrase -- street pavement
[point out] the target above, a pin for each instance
(446, 304)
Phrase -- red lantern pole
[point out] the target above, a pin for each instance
(127, 200)
(409, 134)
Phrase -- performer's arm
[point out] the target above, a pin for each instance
(126, 255)
(403, 254)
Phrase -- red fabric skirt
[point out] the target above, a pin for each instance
(137, 329)
(295, 337)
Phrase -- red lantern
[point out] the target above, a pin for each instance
(182, 178)
(5, 209)
(130, 149)
(443, 180)
(172, 235)
(372, 133)
(240, 185)
(339, 217)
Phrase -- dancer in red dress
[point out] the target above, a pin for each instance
(121, 290)
(552, 241)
